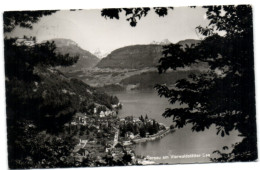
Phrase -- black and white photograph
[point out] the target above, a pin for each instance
(129, 86)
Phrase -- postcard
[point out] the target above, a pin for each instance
(130, 86)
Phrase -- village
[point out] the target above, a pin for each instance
(104, 137)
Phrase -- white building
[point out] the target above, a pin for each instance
(102, 114)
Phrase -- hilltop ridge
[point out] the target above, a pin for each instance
(67, 46)
(138, 56)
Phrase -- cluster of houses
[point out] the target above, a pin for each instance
(98, 122)
(107, 113)
(106, 123)
(97, 152)
(105, 140)
(27, 41)
(84, 119)
(103, 111)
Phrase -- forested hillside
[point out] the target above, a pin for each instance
(137, 56)
(39, 101)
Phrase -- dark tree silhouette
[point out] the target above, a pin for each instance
(23, 18)
(34, 107)
(224, 96)
(39, 100)
(20, 69)
(30, 99)
(28, 148)
(20, 61)
(133, 14)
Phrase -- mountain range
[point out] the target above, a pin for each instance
(138, 56)
(132, 57)
(67, 46)
(129, 57)
(163, 42)
(135, 64)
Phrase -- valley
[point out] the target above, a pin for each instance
(128, 68)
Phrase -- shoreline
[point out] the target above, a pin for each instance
(146, 160)
(153, 137)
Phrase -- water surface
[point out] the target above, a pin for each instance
(179, 143)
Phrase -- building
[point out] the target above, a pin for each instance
(129, 135)
(26, 41)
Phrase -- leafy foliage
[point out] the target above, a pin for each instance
(145, 126)
(133, 14)
(38, 93)
(26, 94)
(29, 148)
(21, 60)
(41, 95)
(30, 98)
(23, 18)
(223, 96)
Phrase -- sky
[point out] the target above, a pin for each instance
(94, 33)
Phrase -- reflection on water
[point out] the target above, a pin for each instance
(137, 103)
(183, 141)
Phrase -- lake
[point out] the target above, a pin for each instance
(194, 146)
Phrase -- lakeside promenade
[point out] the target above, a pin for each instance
(158, 135)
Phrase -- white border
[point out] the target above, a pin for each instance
(92, 4)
